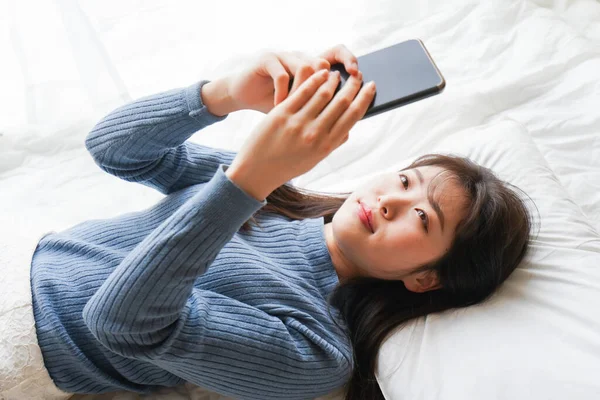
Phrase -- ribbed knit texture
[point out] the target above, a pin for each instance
(175, 293)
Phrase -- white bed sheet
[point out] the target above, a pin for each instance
(67, 63)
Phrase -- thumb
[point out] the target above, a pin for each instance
(280, 78)
(281, 88)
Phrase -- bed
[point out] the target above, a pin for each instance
(522, 97)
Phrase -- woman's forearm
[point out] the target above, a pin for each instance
(215, 96)
(136, 309)
(146, 140)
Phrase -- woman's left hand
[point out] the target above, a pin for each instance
(265, 83)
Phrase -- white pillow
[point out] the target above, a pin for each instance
(538, 337)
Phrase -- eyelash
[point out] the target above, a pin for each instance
(421, 213)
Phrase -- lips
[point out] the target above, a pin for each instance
(367, 213)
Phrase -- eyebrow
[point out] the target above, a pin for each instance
(434, 204)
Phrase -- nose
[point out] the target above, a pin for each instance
(391, 203)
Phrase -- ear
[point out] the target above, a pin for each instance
(422, 281)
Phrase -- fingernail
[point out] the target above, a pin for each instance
(354, 65)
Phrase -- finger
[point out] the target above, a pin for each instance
(306, 91)
(302, 70)
(324, 94)
(354, 113)
(341, 54)
(301, 75)
(321, 63)
(340, 103)
(281, 77)
(318, 63)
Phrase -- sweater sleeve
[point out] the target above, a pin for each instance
(145, 141)
(149, 309)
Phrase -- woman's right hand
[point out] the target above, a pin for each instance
(299, 132)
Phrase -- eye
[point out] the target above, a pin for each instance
(404, 181)
(423, 215)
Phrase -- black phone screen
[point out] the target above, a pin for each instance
(403, 73)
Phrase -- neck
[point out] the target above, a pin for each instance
(343, 267)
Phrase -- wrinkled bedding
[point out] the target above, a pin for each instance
(530, 68)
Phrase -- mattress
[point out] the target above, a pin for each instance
(522, 96)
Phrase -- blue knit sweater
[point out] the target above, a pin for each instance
(175, 293)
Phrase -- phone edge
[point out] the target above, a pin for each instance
(401, 102)
(442, 84)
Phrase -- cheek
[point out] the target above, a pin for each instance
(404, 246)
(404, 237)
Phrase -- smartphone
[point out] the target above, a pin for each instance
(403, 73)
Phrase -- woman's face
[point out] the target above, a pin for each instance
(410, 229)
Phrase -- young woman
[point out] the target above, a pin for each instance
(242, 284)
